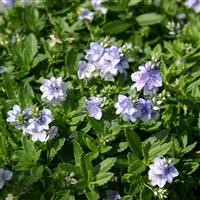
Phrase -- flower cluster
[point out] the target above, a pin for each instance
(194, 4)
(93, 107)
(5, 175)
(161, 172)
(33, 122)
(54, 90)
(109, 63)
(142, 109)
(106, 62)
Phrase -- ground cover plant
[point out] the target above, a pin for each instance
(99, 99)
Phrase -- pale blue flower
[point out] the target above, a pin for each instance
(93, 107)
(17, 117)
(107, 69)
(2, 69)
(53, 132)
(122, 65)
(86, 15)
(5, 175)
(193, 4)
(95, 52)
(8, 3)
(36, 131)
(148, 77)
(126, 108)
(113, 55)
(38, 126)
(106, 62)
(113, 195)
(161, 172)
(14, 115)
(97, 6)
(144, 108)
(85, 70)
(54, 90)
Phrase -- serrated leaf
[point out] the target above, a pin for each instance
(87, 168)
(56, 147)
(78, 152)
(149, 19)
(188, 148)
(27, 157)
(103, 178)
(9, 86)
(106, 165)
(159, 150)
(137, 167)
(134, 143)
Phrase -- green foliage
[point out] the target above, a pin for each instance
(89, 157)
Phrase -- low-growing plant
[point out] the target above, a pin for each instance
(99, 99)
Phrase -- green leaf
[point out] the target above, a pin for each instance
(32, 45)
(91, 195)
(25, 95)
(134, 143)
(149, 19)
(56, 147)
(90, 143)
(26, 158)
(133, 2)
(115, 27)
(78, 152)
(9, 86)
(71, 61)
(87, 168)
(188, 148)
(3, 151)
(106, 165)
(190, 167)
(103, 178)
(137, 167)
(98, 126)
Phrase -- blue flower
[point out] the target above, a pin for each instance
(9, 3)
(126, 108)
(54, 90)
(86, 15)
(17, 117)
(113, 195)
(106, 62)
(2, 69)
(85, 70)
(95, 52)
(113, 55)
(122, 65)
(144, 108)
(5, 175)
(53, 132)
(93, 106)
(38, 126)
(97, 6)
(148, 77)
(107, 69)
(194, 4)
(161, 172)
